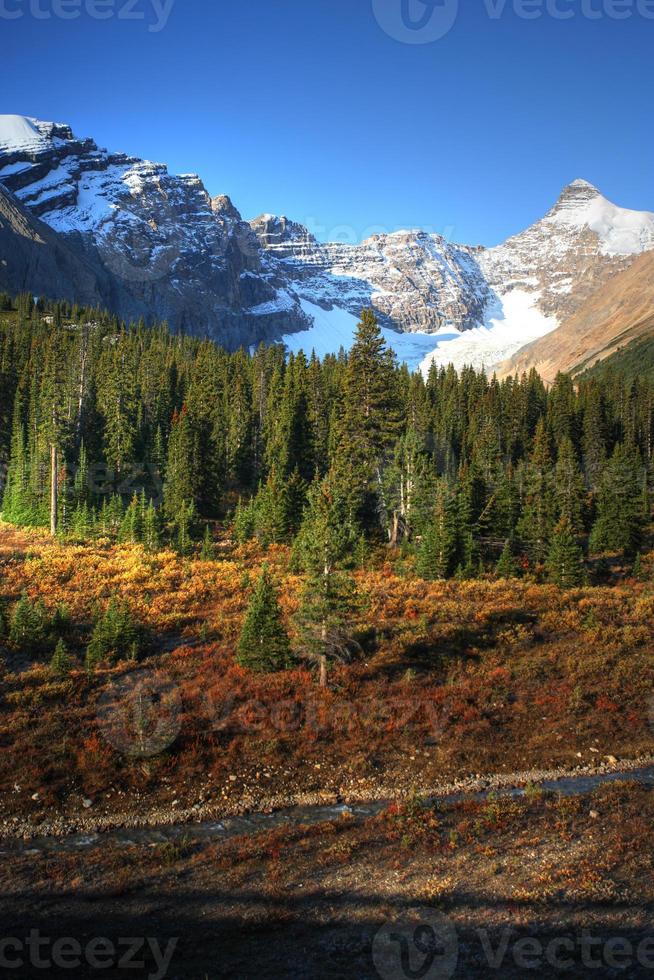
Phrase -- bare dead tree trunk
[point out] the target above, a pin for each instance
(54, 480)
(323, 656)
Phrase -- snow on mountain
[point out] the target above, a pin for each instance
(472, 305)
(514, 321)
(18, 133)
(417, 283)
(160, 247)
(335, 328)
(620, 231)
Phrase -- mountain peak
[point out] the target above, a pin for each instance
(578, 192)
(19, 133)
(581, 184)
(28, 136)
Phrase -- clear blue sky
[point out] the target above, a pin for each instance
(309, 108)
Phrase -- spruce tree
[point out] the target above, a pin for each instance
(264, 644)
(61, 663)
(569, 486)
(507, 566)
(208, 550)
(537, 520)
(368, 424)
(181, 487)
(620, 516)
(565, 564)
(437, 549)
(28, 630)
(324, 546)
(151, 532)
(116, 636)
(131, 528)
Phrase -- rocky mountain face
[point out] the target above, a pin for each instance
(498, 298)
(158, 245)
(414, 281)
(34, 259)
(143, 242)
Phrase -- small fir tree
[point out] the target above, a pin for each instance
(565, 563)
(264, 644)
(61, 664)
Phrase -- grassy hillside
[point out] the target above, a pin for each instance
(451, 679)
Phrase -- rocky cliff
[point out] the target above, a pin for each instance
(159, 246)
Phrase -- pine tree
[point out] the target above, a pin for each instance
(182, 482)
(507, 567)
(264, 644)
(29, 625)
(116, 636)
(437, 549)
(151, 532)
(16, 505)
(569, 486)
(368, 424)
(620, 517)
(61, 664)
(537, 520)
(208, 550)
(245, 521)
(183, 527)
(131, 528)
(565, 563)
(324, 545)
(271, 510)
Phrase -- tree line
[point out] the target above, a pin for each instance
(137, 433)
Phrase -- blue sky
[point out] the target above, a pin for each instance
(313, 109)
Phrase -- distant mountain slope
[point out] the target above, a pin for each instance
(620, 311)
(480, 305)
(635, 361)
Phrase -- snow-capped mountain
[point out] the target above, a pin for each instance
(459, 304)
(160, 246)
(156, 245)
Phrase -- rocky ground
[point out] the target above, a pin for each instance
(499, 887)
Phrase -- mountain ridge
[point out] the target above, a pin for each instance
(159, 246)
